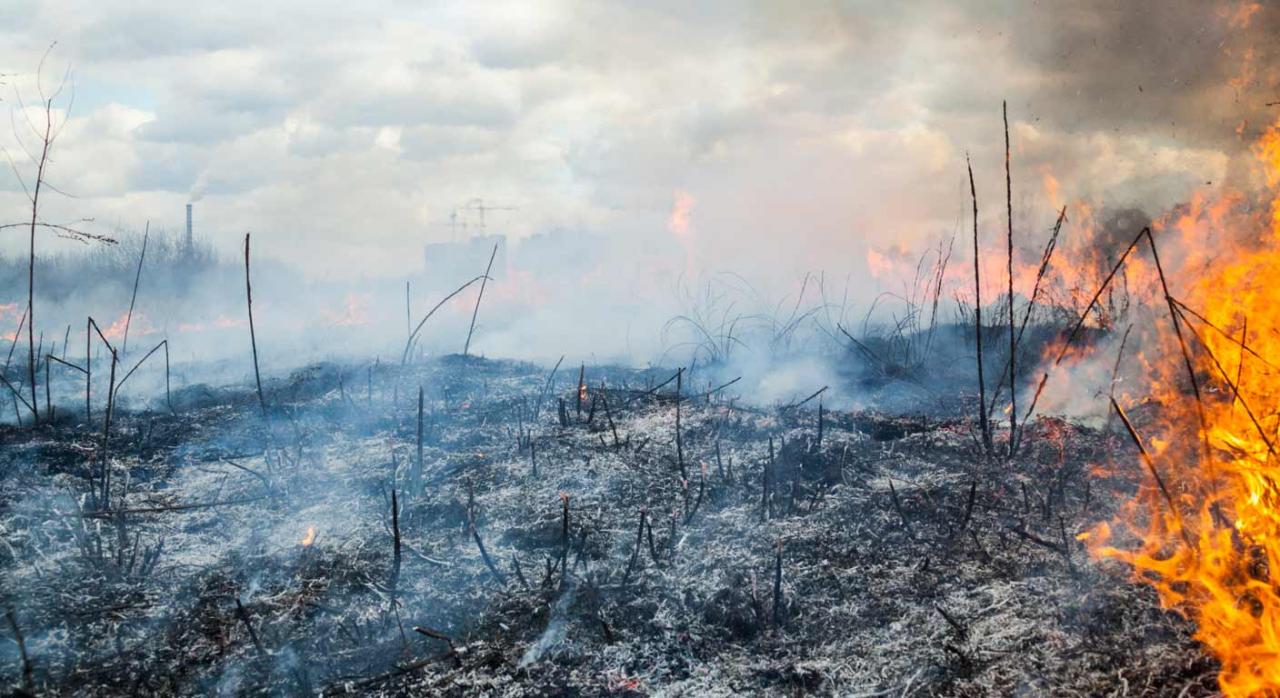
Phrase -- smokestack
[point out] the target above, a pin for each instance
(189, 239)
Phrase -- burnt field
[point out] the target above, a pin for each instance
(518, 531)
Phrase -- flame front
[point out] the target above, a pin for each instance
(1209, 548)
(310, 538)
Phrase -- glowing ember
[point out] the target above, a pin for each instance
(582, 392)
(310, 538)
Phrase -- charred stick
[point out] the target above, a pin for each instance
(106, 433)
(777, 586)
(564, 414)
(968, 508)
(484, 555)
(546, 388)
(471, 500)
(1084, 315)
(702, 486)
(434, 634)
(1115, 377)
(956, 625)
(466, 348)
(168, 396)
(515, 564)
(821, 417)
(671, 537)
(17, 394)
(17, 333)
(172, 507)
(27, 684)
(253, 338)
(1066, 544)
(795, 479)
(1176, 319)
(1013, 342)
(635, 554)
(897, 505)
(608, 415)
(124, 348)
(1244, 347)
(408, 345)
(722, 387)
(663, 384)
(418, 465)
(766, 487)
(1023, 533)
(253, 634)
(1244, 339)
(48, 400)
(983, 423)
(163, 343)
(653, 549)
(1235, 390)
(719, 462)
(1155, 474)
(805, 401)
(580, 558)
(564, 535)
(1045, 258)
(582, 391)
(88, 372)
(395, 534)
(679, 441)
(604, 626)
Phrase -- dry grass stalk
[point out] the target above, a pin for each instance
(466, 348)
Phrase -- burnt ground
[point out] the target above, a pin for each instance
(879, 554)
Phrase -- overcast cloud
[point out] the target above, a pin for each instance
(344, 134)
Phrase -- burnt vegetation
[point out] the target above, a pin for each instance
(802, 550)
(458, 525)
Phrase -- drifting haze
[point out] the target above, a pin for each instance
(345, 136)
(767, 139)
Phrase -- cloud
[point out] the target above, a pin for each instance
(807, 134)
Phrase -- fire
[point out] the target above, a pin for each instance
(1208, 532)
(139, 326)
(680, 222)
(310, 538)
(582, 392)
(353, 312)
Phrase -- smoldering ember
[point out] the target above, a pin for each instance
(850, 349)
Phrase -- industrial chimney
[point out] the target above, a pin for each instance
(190, 241)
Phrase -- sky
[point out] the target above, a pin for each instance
(768, 138)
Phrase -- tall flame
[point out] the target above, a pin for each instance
(1210, 545)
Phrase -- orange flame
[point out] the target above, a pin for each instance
(680, 222)
(1211, 545)
(310, 538)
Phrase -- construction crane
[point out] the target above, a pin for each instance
(478, 206)
(453, 224)
(460, 218)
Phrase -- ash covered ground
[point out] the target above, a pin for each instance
(549, 546)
